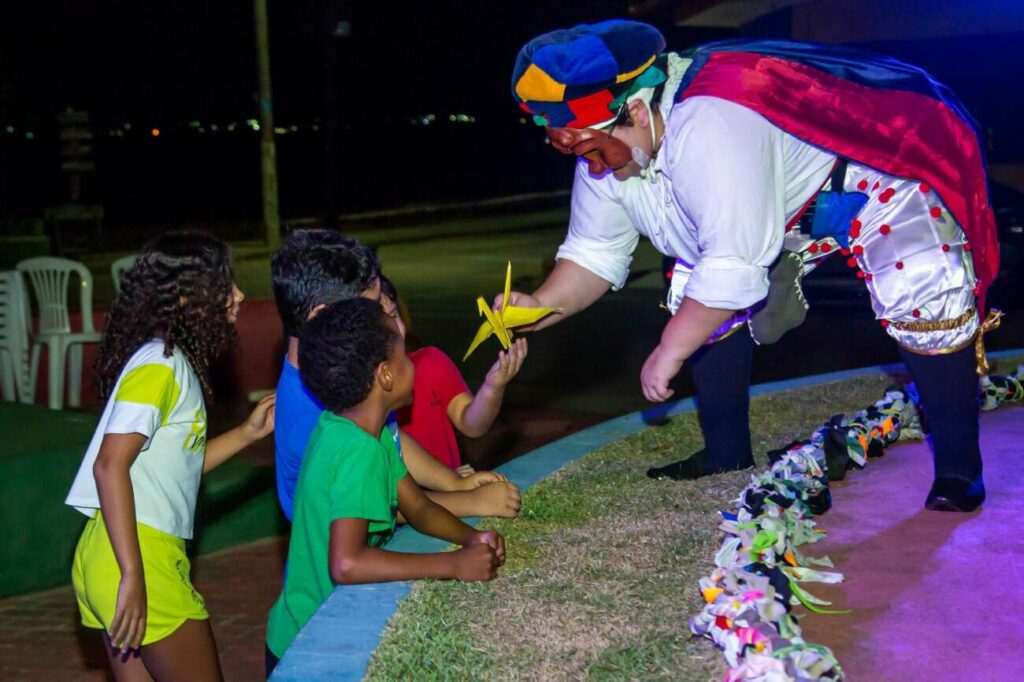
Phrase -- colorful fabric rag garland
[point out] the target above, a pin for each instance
(759, 568)
(997, 389)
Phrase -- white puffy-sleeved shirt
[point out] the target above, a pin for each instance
(726, 184)
(160, 398)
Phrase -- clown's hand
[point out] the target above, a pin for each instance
(518, 299)
(659, 369)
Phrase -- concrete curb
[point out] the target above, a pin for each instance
(338, 642)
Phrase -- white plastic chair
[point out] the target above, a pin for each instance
(17, 364)
(50, 278)
(118, 268)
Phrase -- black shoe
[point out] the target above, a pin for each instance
(696, 466)
(952, 493)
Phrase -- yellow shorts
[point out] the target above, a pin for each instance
(170, 597)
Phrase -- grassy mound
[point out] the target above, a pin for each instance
(602, 565)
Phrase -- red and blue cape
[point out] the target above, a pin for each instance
(871, 109)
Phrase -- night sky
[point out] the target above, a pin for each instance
(166, 63)
(185, 67)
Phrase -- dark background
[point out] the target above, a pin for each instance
(355, 111)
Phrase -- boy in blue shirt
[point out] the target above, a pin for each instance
(315, 268)
(352, 480)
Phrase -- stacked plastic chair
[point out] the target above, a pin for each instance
(51, 278)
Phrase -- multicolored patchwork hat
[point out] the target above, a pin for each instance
(580, 77)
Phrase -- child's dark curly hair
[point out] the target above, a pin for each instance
(178, 291)
(340, 349)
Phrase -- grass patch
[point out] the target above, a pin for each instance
(602, 565)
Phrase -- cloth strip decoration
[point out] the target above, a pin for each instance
(999, 390)
(759, 568)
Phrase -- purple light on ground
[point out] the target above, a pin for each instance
(936, 596)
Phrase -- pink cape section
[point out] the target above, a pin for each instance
(898, 132)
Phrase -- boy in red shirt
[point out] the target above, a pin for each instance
(442, 402)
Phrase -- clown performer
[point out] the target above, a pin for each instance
(714, 154)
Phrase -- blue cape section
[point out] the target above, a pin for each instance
(864, 68)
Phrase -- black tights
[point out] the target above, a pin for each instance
(721, 372)
(948, 385)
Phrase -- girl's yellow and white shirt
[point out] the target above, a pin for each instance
(160, 398)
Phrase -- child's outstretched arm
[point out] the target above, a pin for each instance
(259, 424)
(432, 475)
(473, 415)
(117, 502)
(351, 561)
(462, 496)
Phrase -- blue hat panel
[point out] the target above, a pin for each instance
(585, 60)
(631, 42)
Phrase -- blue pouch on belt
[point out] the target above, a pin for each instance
(834, 210)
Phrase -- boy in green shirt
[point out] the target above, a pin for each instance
(353, 482)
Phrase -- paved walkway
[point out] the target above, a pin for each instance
(935, 596)
(41, 638)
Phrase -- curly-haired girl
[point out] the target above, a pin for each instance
(139, 478)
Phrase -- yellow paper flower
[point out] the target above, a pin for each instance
(502, 322)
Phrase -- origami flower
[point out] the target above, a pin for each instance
(502, 322)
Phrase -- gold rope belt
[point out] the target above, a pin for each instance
(991, 323)
(936, 325)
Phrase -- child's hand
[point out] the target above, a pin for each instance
(261, 421)
(129, 624)
(479, 478)
(476, 562)
(498, 499)
(492, 539)
(465, 471)
(507, 365)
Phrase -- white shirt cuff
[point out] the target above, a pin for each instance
(612, 268)
(727, 283)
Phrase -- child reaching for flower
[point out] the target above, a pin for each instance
(352, 481)
(315, 268)
(140, 476)
(443, 402)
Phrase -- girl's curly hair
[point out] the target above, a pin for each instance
(177, 291)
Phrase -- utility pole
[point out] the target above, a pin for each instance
(268, 152)
(337, 32)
